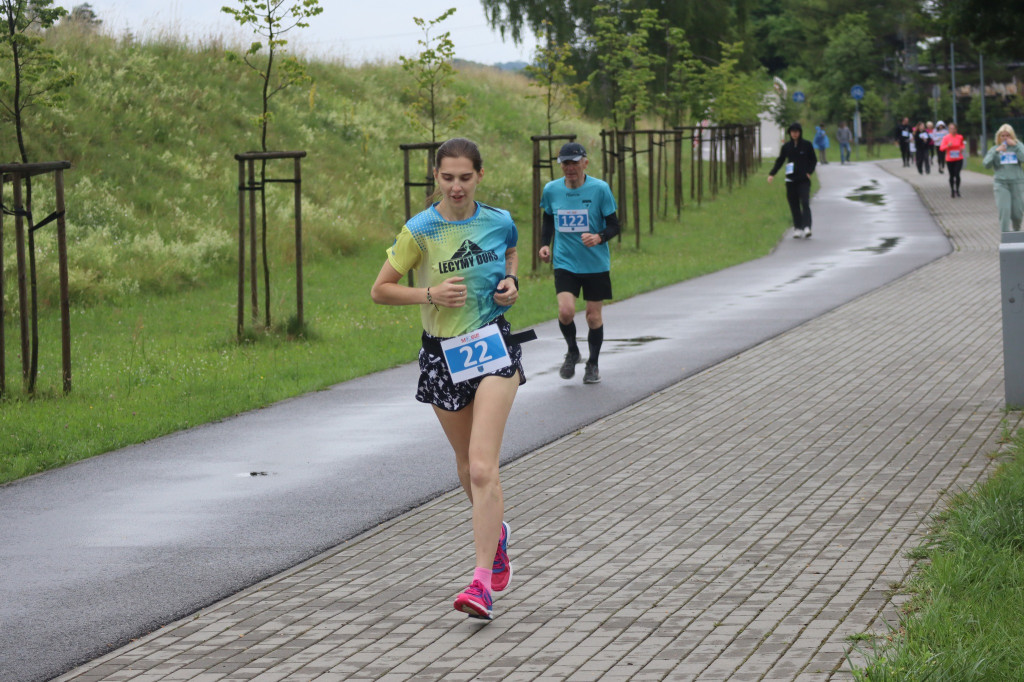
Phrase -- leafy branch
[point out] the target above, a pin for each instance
(432, 71)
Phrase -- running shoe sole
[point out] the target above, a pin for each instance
(473, 607)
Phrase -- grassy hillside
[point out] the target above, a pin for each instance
(152, 131)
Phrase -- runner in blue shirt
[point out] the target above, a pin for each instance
(579, 215)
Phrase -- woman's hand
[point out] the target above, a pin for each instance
(506, 294)
(450, 293)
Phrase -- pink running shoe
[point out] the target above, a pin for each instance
(476, 601)
(501, 572)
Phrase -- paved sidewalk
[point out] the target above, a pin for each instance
(740, 525)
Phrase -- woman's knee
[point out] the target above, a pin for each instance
(483, 471)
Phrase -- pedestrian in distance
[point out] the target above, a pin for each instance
(798, 157)
(470, 364)
(579, 219)
(844, 136)
(923, 149)
(904, 135)
(821, 143)
(953, 147)
(937, 135)
(1005, 159)
(930, 129)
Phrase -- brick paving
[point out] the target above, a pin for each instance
(740, 525)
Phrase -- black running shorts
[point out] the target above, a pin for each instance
(596, 286)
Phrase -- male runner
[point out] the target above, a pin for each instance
(579, 215)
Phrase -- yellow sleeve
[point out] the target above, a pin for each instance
(405, 254)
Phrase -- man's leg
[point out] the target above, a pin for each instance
(595, 338)
(567, 325)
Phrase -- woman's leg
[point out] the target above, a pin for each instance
(793, 197)
(1004, 205)
(804, 194)
(1017, 211)
(475, 434)
(954, 176)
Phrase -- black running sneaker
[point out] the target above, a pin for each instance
(568, 370)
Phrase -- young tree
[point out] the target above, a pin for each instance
(622, 45)
(848, 60)
(735, 97)
(552, 73)
(432, 71)
(36, 78)
(682, 79)
(270, 20)
(85, 16)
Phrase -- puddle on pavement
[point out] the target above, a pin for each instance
(887, 245)
(869, 194)
(611, 346)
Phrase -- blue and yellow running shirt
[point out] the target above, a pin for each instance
(576, 211)
(473, 248)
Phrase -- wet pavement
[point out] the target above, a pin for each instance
(731, 502)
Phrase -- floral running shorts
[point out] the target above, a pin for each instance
(436, 386)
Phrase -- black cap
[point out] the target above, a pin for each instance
(571, 151)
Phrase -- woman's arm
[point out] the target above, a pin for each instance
(386, 290)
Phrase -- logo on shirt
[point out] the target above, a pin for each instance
(468, 255)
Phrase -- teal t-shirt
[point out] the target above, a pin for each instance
(473, 248)
(576, 211)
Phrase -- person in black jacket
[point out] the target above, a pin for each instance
(904, 136)
(798, 156)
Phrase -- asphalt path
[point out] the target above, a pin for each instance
(109, 549)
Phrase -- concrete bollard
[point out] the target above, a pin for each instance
(1011, 279)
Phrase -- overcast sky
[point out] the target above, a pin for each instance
(357, 31)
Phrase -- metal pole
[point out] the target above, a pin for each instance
(984, 130)
(3, 348)
(952, 76)
(19, 244)
(65, 298)
(240, 327)
(299, 303)
(856, 137)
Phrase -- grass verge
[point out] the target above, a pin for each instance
(963, 619)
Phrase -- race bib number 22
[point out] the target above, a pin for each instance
(475, 354)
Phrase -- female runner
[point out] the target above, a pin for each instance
(465, 255)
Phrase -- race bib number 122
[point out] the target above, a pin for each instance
(573, 220)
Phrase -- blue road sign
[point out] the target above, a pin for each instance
(798, 96)
(857, 92)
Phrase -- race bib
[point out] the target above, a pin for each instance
(789, 168)
(573, 220)
(1008, 158)
(906, 133)
(955, 154)
(475, 354)
(913, 147)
